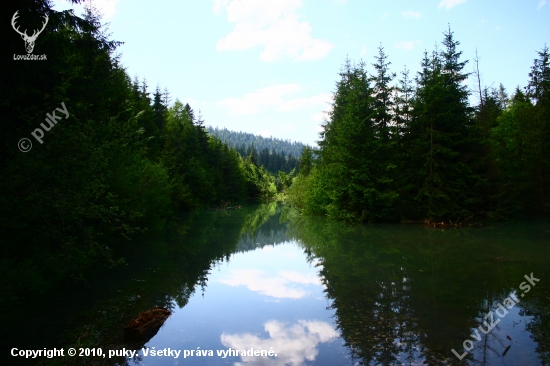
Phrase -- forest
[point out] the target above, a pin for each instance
(242, 140)
(272, 153)
(120, 165)
(126, 158)
(117, 198)
(414, 148)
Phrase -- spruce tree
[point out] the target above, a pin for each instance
(382, 93)
(447, 147)
(538, 90)
(403, 95)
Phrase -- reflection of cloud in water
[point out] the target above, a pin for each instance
(293, 344)
(274, 286)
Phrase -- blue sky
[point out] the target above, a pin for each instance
(270, 66)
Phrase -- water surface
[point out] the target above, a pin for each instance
(323, 293)
(315, 292)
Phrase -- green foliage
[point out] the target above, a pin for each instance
(306, 160)
(238, 139)
(205, 170)
(274, 154)
(396, 152)
(285, 180)
(259, 182)
(119, 165)
(520, 146)
(357, 183)
(308, 193)
(440, 140)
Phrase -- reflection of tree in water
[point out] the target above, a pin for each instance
(406, 295)
(262, 228)
(373, 310)
(539, 308)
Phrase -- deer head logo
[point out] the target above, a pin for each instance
(29, 40)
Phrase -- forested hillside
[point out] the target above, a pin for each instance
(243, 140)
(272, 153)
(413, 148)
(271, 160)
(112, 159)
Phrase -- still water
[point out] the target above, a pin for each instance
(315, 292)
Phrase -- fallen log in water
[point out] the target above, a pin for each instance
(146, 325)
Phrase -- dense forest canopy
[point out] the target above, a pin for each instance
(415, 148)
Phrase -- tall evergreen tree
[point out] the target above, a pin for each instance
(538, 90)
(159, 108)
(454, 161)
(441, 108)
(382, 93)
(403, 95)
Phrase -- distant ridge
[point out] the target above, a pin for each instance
(237, 139)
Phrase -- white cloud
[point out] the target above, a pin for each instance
(274, 96)
(278, 286)
(385, 15)
(363, 51)
(272, 24)
(294, 104)
(257, 101)
(447, 4)
(411, 14)
(405, 45)
(293, 344)
(541, 3)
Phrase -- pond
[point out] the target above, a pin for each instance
(263, 286)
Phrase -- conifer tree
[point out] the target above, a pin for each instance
(538, 90)
(403, 95)
(441, 108)
(160, 109)
(382, 93)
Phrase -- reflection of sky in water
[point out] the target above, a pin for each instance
(273, 271)
(281, 285)
(269, 297)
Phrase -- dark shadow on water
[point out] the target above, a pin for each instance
(409, 295)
